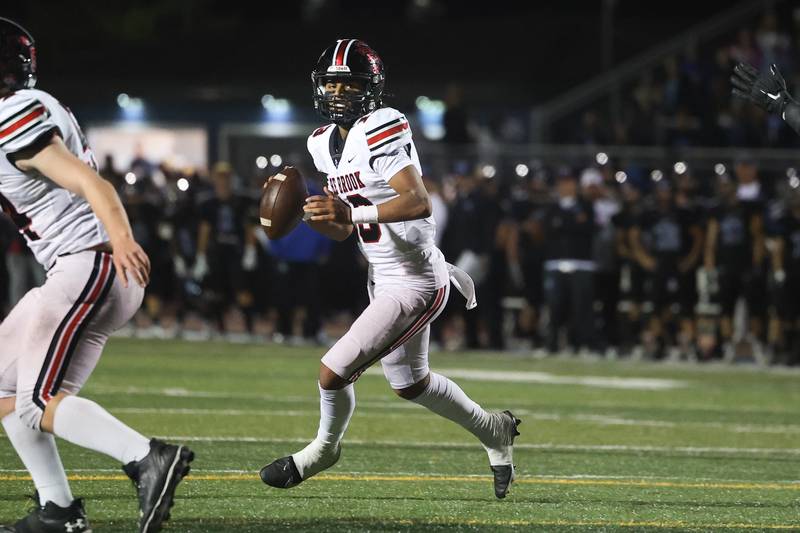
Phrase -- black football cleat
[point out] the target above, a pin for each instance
(503, 477)
(503, 470)
(156, 477)
(50, 518)
(281, 473)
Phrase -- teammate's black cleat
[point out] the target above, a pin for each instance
(504, 473)
(50, 518)
(156, 477)
(503, 477)
(281, 473)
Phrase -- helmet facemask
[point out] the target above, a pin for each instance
(345, 108)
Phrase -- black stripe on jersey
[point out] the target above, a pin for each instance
(373, 130)
(387, 141)
(35, 146)
(19, 114)
(19, 133)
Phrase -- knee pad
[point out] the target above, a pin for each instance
(29, 412)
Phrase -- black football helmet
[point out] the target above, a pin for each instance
(348, 60)
(17, 56)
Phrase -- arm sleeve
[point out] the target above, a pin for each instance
(24, 120)
(388, 138)
(387, 165)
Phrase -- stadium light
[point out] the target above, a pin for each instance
(276, 108)
(261, 162)
(488, 171)
(132, 108)
(275, 160)
(522, 170)
(601, 158)
(719, 169)
(621, 177)
(794, 182)
(130, 178)
(656, 175)
(680, 168)
(183, 184)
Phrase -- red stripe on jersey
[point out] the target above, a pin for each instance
(391, 131)
(37, 112)
(340, 53)
(66, 337)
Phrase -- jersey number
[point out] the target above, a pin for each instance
(21, 220)
(368, 233)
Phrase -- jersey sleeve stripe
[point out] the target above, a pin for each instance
(10, 120)
(32, 115)
(388, 133)
(385, 124)
(23, 131)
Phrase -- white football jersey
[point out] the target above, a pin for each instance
(377, 147)
(53, 220)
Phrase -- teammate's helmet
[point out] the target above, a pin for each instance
(348, 60)
(17, 56)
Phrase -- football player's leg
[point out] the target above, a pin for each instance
(37, 450)
(407, 371)
(393, 315)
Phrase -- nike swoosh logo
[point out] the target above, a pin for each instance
(351, 159)
(773, 96)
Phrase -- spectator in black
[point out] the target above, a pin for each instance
(631, 273)
(667, 242)
(470, 239)
(298, 261)
(568, 227)
(606, 281)
(456, 118)
(785, 255)
(226, 248)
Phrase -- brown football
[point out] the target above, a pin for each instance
(282, 202)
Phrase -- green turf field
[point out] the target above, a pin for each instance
(604, 446)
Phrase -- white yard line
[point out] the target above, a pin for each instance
(364, 411)
(685, 450)
(546, 378)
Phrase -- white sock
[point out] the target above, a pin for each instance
(335, 409)
(83, 422)
(40, 456)
(445, 398)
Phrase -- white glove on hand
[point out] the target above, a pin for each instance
(249, 258)
(200, 268)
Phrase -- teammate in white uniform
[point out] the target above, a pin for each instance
(374, 185)
(52, 340)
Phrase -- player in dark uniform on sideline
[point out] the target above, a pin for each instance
(226, 248)
(733, 249)
(667, 243)
(785, 255)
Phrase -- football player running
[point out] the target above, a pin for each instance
(52, 340)
(374, 186)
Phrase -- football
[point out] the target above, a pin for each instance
(282, 200)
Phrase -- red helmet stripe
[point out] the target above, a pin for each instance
(347, 50)
(340, 49)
